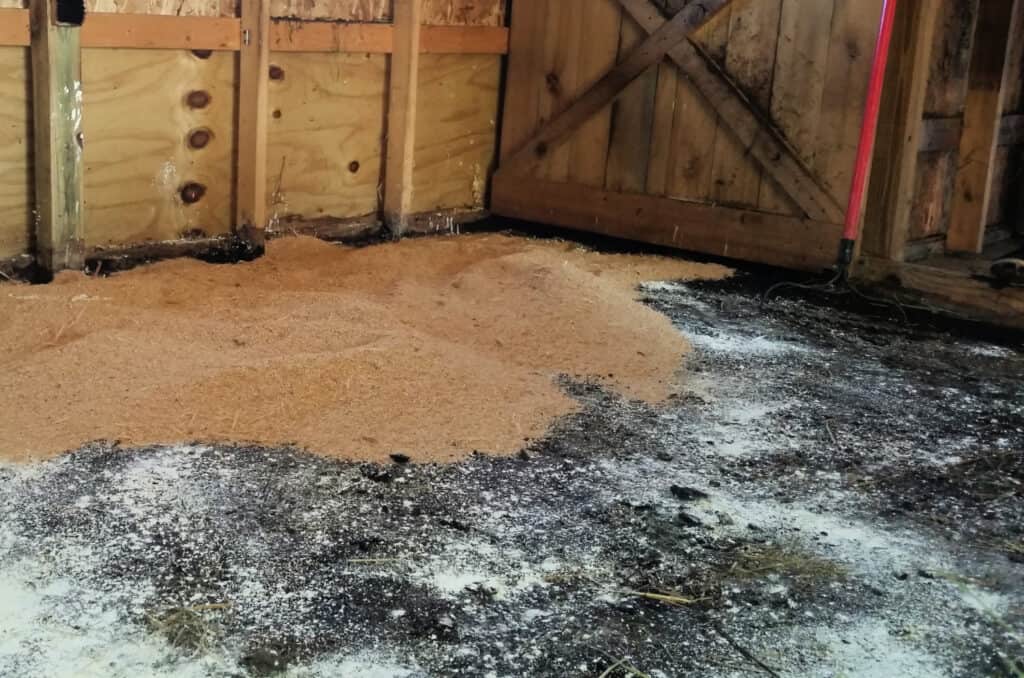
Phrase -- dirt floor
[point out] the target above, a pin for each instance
(433, 347)
(827, 494)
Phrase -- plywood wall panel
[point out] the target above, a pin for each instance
(15, 151)
(326, 134)
(339, 10)
(464, 12)
(137, 125)
(455, 130)
(165, 7)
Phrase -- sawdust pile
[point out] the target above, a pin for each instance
(432, 347)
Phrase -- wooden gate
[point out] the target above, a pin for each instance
(728, 128)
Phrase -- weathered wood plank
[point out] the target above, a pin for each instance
(632, 123)
(982, 115)
(253, 120)
(649, 52)
(763, 141)
(522, 91)
(943, 134)
(57, 111)
(403, 95)
(741, 234)
(897, 150)
(289, 35)
(955, 290)
(750, 59)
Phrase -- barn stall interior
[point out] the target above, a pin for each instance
(442, 337)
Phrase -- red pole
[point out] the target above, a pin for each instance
(868, 129)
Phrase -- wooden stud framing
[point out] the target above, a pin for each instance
(983, 111)
(891, 191)
(401, 129)
(253, 98)
(757, 135)
(651, 51)
(742, 234)
(57, 112)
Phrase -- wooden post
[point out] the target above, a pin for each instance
(401, 130)
(253, 101)
(57, 114)
(901, 130)
(983, 110)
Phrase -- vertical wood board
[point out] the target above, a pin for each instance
(15, 151)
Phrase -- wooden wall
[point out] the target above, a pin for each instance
(934, 183)
(327, 118)
(802, 63)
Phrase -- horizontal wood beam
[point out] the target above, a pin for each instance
(943, 134)
(151, 31)
(956, 290)
(739, 234)
(287, 35)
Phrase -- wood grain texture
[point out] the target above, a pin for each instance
(598, 50)
(137, 156)
(632, 122)
(456, 131)
(663, 126)
(57, 140)
(954, 37)
(253, 118)
(403, 105)
(765, 142)
(611, 85)
(799, 85)
(338, 10)
(522, 93)
(161, 32)
(326, 131)
(983, 107)
(895, 178)
(166, 7)
(851, 48)
(14, 27)
(955, 290)
(721, 231)
(750, 59)
(15, 151)
(464, 12)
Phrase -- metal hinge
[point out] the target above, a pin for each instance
(245, 37)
